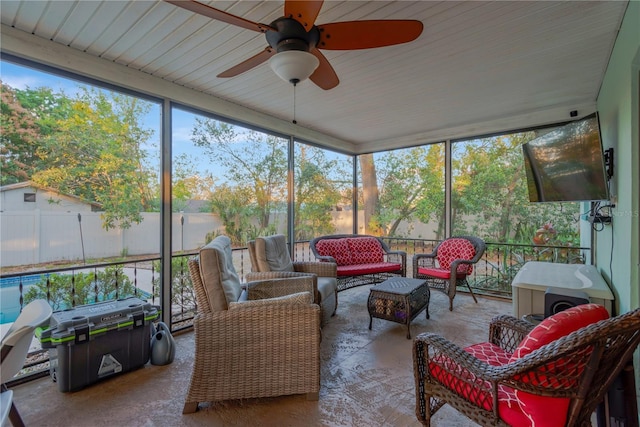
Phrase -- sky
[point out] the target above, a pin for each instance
(21, 77)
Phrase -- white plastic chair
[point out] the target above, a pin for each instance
(14, 349)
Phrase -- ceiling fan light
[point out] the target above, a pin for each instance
(293, 66)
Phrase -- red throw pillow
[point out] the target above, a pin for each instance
(365, 250)
(541, 410)
(559, 325)
(337, 248)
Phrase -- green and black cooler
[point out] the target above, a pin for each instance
(92, 342)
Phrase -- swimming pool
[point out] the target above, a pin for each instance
(10, 295)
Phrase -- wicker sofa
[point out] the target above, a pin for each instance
(360, 259)
(260, 339)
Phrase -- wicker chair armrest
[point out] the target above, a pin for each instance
(255, 276)
(507, 332)
(423, 260)
(420, 256)
(277, 287)
(320, 269)
(326, 258)
(397, 255)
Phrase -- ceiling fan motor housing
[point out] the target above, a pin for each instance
(291, 35)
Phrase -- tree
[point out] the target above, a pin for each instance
(257, 162)
(316, 193)
(412, 187)
(96, 154)
(188, 184)
(490, 197)
(369, 193)
(230, 204)
(19, 135)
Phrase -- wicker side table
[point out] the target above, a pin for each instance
(399, 300)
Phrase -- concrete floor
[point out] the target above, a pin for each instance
(367, 378)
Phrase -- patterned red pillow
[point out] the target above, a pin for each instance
(559, 325)
(365, 250)
(337, 248)
(453, 249)
(543, 410)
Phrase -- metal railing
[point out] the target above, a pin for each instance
(492, 275)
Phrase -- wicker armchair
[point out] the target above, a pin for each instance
(271, 255)
(455, 258)
(498, 383)
(257, 340)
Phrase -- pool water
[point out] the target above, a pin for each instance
(10, 295)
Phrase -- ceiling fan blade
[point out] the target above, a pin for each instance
(248, 64)
(305, 12)
(351, 35)
(324, 76)
(210, 12)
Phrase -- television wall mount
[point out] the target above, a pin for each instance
(608, 162)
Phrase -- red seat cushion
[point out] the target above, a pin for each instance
(365, 250)
(439, 273)
(453, 249)
(542, 410)
(467, 385)
(337, 248)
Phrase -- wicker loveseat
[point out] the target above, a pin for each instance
(257, 340)
(360, 259)
(553, 375)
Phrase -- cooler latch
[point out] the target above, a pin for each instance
(82, 334)
(138, 320)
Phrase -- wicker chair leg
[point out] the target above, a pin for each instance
(190, 407)
(471, 292)
(427, 415)
(313, 396)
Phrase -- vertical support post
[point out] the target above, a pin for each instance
(291, 193)
(165, 214)
(447, 189)
(354, 195)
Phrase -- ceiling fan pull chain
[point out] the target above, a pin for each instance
(294, 104)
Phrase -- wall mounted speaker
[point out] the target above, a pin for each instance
(559, 299)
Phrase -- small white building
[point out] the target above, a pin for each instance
(26, 196)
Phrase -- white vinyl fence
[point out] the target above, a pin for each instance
(34, 237)
(39, 236)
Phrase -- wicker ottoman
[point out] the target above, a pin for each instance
(399, 300)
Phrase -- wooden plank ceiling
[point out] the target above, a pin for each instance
(478, 66)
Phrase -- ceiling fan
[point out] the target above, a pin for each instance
(295, 40)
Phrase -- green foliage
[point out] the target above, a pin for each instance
(65, 291)
(19, 135)
(256, 165)
(315, 192)
(490, 198)
(412, 187)
(96, 154)
(182, 293)
(89, 146)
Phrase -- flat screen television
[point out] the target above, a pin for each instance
(567, 164)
